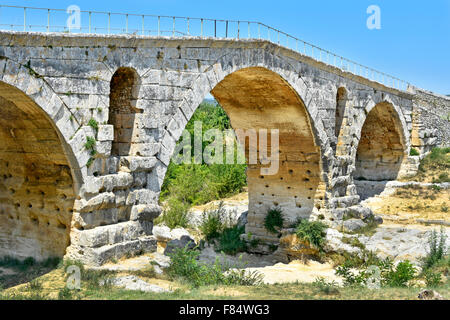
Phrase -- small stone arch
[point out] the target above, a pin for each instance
(382, 149)
(124, 92)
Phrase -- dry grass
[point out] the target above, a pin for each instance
(411, 203)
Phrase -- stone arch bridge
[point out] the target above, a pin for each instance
(67, 188)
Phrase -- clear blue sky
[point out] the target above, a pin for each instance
(413, 43)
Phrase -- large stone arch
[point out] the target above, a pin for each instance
(226, 79)
(38, 180)
(382, 149)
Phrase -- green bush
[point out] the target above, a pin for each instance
(382, 273)
(437, 249)
(185, 266)
(313, 232)
(326, 287)
(176, 215)
(213, 222)
(195, 184)
(414, 152)
(230, 240)
(432, 279)
(400, 276)
(274, 220)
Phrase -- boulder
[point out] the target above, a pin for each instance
(183, 242)
(353, 225)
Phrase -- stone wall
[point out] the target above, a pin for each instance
(261, 85)
(431, 120)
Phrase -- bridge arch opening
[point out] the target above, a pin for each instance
(124, 91)
(37, 188)
(256, 98)
(380, 152)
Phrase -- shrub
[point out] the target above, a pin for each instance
(93, 124)
(230, 240)
(414, 152)
(200, 183)
(437, 248)
(399, 277)
(432, 279)
(212, 222)
(382, 273)
(313, 232)
(326, 287)
(184, 265)
(274, 220)
(176, 214)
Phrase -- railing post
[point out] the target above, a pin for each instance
(109, 22)
(226, 29)
(215, 28)
(238, 30)
(173, 28)
(201, 27)
(126, 27)
(259, 30)
(90, 13)
(188, 27)
(159, 26)
(143, 30)
(248, 30)
(268, 33)
(24, 19)
(278, 37)
(48, 20)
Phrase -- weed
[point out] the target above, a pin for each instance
(185, 265)
(176, 215)
(230, 240)
(414, 152)
(328, 288)
(212, 222)
(93, 124)
(274, 220)
(313, 232)
(437, 248)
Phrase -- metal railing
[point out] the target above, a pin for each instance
(56, 20)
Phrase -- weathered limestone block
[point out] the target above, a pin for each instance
(145, 212)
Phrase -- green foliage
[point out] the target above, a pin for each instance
(216, 225)
(65, 294)
(185, 265)
(383, 273)
(432, 279)
(230, 240)
(194, 184)
(213, 223)
(93, 124)
(399, 277)
(274, 220)
(90, 143)
(414, 152)
(312, 231)
(176, 214)
(437, 249)
(323, 286)
(437, 159)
